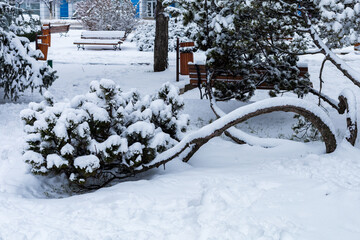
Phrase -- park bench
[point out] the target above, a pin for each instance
(198, 76)
(62, 29)
(357, 46)
(107, 38)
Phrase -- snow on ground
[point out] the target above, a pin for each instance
(226, 191)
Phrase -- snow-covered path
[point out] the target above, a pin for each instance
(226, 191)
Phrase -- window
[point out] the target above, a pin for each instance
(31, 5)
(150, 8)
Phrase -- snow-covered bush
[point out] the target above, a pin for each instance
(27, 25)
(107, 14)
(19, 21)
(102, 135)
(144, 35)
(19, 68)
(337, 21)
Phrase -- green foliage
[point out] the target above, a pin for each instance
(103, 134)
(27, 25)
(250, 39)
(19, 69)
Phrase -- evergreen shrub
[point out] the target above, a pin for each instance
(103, 134)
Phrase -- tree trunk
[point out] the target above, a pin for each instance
(161, 38)
(51, 9)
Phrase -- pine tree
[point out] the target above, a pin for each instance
(249, 39)
(103, 135)
(241, 36)
(19, 69)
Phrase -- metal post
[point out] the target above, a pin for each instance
(177, 58)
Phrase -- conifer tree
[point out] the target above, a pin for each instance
(250, 39)
(19, 68)
(241, 36)
(103, 135)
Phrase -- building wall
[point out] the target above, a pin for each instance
(44, 11)
(145, 8)
(39, 8)
(30, 5)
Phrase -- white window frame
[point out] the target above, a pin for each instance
(150, 8)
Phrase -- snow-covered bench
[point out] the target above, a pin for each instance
(104, 35)
(82, 42)
(198, 75)
(112, 38)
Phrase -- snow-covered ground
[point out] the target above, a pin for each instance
(226, 191)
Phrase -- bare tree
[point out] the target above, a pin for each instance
(16, 3)
(106, 14)
(50, 5)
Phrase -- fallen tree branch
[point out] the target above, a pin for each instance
(310, 111)
(347, 101)
(320, 77)
(241, 137)
(192, 142)
(340, 64)
(325, 98)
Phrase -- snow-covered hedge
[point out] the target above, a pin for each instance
(103, 134)
(19, 69)
(19, 21)
(144, 35)
(27, 25)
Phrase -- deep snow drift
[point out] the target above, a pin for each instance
(226, 191)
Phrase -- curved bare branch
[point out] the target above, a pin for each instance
(340, 64)
(192, 142)
(197, 139)
(347, 102)
(333, 103)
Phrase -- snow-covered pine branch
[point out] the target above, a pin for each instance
(240, 37)
(249, 39)
(333, 24)
(19, 68)
(102, 135)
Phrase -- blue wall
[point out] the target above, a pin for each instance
(136, 4)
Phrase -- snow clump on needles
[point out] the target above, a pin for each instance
(102, 135)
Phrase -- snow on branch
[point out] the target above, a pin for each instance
(197, 139)
(348, 102)
(241, 137)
